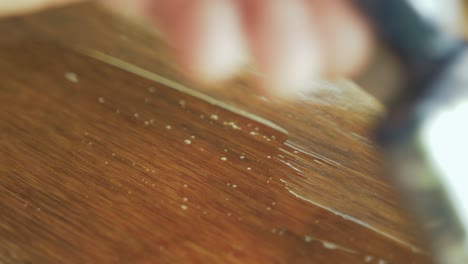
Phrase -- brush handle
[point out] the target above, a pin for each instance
(408, 34)
(422, 49)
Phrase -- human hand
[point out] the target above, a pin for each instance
(290, 43)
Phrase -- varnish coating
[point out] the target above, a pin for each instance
(102, 165)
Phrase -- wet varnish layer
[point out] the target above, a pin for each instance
(109, 166)
(102, 165)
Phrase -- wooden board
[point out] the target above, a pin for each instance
(102, 161)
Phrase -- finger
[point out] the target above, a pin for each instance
(285, 44)
(206, 35)
(347, 39)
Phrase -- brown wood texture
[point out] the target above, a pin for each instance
(99, 164)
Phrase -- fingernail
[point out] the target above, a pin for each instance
(221, 50)
(297, 61)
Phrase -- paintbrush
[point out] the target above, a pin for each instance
(424, 134)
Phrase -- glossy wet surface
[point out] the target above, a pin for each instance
(104, 162)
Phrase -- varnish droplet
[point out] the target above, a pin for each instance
(214, 117)
(101, 100)
(168, 127)
(223, 158)
(184, 207)
(233, 125)
(71, 76)
(187, 141)
(185, 199)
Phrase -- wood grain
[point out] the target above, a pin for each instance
(103, 165)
